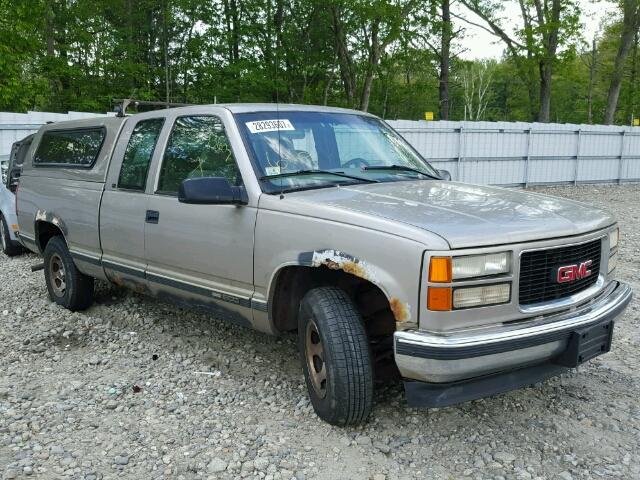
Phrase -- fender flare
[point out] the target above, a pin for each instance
(339, 260)
(44, 216)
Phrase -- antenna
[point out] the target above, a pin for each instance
(278, 120)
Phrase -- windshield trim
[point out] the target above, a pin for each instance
(254, 161)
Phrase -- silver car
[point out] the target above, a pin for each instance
(9, 169)
(326, 222)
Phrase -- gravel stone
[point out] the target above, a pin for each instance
(222, 402)
(217, 465)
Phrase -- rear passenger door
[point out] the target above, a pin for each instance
(201, 255)
(124, 203)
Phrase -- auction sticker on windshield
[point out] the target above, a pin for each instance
(261, 126)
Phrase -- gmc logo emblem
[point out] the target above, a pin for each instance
(571, 273)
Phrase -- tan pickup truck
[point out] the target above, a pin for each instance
(326, 222)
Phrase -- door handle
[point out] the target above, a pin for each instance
(153, 216)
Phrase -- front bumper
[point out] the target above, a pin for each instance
(446, 360)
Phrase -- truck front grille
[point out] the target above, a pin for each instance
(538, 272)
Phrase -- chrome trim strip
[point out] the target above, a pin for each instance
(566, 301)
(619, 296)
(259, 305)
(86, 258)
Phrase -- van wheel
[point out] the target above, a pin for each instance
(335, 356)
(9, 247)
(67, 286)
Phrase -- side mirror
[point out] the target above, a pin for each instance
(211, 191)
(444, 174)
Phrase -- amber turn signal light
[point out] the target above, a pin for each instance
(439, 299)
(440, 270)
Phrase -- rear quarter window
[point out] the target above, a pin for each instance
(77, 148)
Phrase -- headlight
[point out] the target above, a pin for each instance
(446, 269)
(464, 267)
(480, 265)
(614, 236)
(483, 295)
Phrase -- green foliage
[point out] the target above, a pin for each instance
(383, 55)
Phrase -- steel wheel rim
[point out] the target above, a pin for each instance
(314, 353)
(57, 275)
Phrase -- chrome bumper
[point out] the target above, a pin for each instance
(463, 355)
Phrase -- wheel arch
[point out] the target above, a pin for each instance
(48, 225)
(361, 280)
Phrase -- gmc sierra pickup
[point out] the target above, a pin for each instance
(326, 222)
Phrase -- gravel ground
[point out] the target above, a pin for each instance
(134, 388)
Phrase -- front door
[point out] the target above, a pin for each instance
(201, 255)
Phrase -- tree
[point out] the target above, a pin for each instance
(476, 79)
(445, 57)
(630, 25)
(547, 26)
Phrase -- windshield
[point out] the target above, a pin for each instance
(300, 150)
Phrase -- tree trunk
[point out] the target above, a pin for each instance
(592, 76)
(550, 47)
(345, 61)
(545, 92)
(629, 28)
(631, 104)
(327, 87)
(372, 64)
(444, 60)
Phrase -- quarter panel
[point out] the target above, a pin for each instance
(70, 204)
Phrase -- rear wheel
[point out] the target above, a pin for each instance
(9, 247)
(67, 286)
(335, 355)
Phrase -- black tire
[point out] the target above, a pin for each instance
(9, 247)
(345, 396)
(67, 286)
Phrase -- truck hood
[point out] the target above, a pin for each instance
(466, 215)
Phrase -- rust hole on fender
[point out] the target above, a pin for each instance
(399, 309)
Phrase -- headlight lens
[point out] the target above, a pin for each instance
(614, 236)
(466, 297)
(480, 265)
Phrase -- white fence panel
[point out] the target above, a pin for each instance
(498, 153)
(517, 153)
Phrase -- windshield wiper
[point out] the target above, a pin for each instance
(312, 172)
(400, 168)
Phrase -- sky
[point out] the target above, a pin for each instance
(478, 44)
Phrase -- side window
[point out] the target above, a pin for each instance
(70, 148)
(137, 156)
(197, 147)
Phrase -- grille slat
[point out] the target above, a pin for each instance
(538, 269)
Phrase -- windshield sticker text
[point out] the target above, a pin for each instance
(261, 126)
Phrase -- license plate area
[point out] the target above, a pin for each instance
(587, 343)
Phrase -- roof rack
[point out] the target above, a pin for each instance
(124, 103)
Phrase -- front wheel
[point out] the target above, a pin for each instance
(335, 356)
(67, 286)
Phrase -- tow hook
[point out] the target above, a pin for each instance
(37, 267)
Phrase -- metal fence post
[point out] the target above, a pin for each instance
(577, 168)
(623, 145)
(460, 153)
(528, 158)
